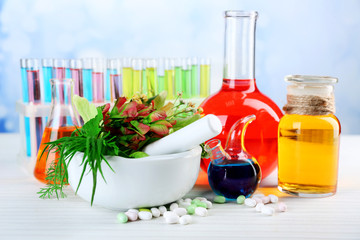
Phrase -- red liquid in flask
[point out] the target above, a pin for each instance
(237, 99)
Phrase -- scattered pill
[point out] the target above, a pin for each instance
(201, 198)
(259, 195)
(258, 200)
(155, 212)
(273, 198)
(186, 219)
(282, 207)
(180, 201)
(180, 211)
(133, 210)
(265, 199)
(144, 210)
(219, 199)
(132, 216)
(185, 204)
(195, 201)
(145, 215)
(188, 200)
(200, 211)
(191, 209)
(122, 218)
(267, 210)
(259, 207)
(162, 209)
(173, 206)
(250, 202)
(240, 199)
(201, 204)
(208, 204)
(172, 218)
(167, 213)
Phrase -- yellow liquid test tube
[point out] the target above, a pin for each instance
(169, 78)
(151, 77)
(204, 77)
(137, 65)
(127, 78)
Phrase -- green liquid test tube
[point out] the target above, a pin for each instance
(151, 77)
(144, 89)
(178, 77)
(127, 78)
(195, 78)
(204, 78)
(161, 77)
(186, 78)
(137, 66)
(169, 78)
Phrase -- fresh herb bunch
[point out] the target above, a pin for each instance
(122, 131)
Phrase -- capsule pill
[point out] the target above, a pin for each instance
(186, 219)
(200, 211)
(250, 202)
(191, 209)
(219, 199)
(180, 211)
(155, 212)
(122, 218)
(259, 207)
(208, 204)
(162, 209)
(269, 211)
(145, 215)
(240, 199)
(258, 200)
(273, 198)
(172, 218)
(173, 206)
(265, 199)
(132, 216)
(282, 207)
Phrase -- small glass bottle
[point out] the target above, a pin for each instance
(61, 123)
(309, 135)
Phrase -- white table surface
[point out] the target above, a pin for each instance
(24, 216)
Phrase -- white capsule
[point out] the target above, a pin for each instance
(155, 212)
(168, 213)
(250, 202)
(188, 200)
(133, 210)
(180, 201)
(186, 219)
(201, 211)
(180, 211)
(282, 207)
(258, 195)
(173, 206)
(208, 204)
(258, 200)
(269, 211)
(162, 209)
(132, 216)
(184, 204)
(145, 215)
(172, 219)
(265, 199)
(273, 198)
(259, 207)
(201, 198)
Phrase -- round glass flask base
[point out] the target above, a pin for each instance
(306, 193)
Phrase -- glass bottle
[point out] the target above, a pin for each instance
(61, 123)
(309, 135)
(233, 172)
(239, 95)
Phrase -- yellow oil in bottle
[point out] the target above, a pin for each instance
(308, 154)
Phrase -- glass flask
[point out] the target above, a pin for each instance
(239, 95)
(233, 172)
(61, 123)
(309, 136)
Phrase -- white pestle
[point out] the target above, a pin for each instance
(186, 138)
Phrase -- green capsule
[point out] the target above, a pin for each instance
(195, 201)
(201, 204)
(144, 210)
(240, 199)
(191, 209)
(122, 218)
(219, 199)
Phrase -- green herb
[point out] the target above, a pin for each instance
(121, 131)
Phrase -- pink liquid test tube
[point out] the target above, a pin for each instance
(98, 67)
(77, 76)
(115, 68)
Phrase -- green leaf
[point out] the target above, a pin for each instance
(138, 155)
(86, 110)
(92, 127)
(182, 122)
(140, 127)
(159, 101)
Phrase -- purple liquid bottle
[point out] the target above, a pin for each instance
(233, 172)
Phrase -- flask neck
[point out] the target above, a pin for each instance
(216, 151)
(239, 49)
(61, 91)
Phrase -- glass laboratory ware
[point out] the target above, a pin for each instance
(127, 77)
(309, 136)
(137, 69)
(61, 123)
(233, 172)
(178, 76)
(115, 79)
(98, 82)
(151, 77)
(186, 77)
(47, 69)
(239, 95)
(204, 77)
(195, 78)
(77, 76)
(161, 75)
(169, 78)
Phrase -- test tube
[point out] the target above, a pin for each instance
(87, 78)
(98, 66)
(169, 78)
(161, 75)
(186, 77)
(137, 66)
(115, 79)
(34, 90)
(151, 77)
(107, 81)
(67, 69)
(204, 77)
(195, 78)
(77, 76)
(47, 69)
(144, 79)
(127, 77)
(25, 94)
(178, 76)
(59, 69)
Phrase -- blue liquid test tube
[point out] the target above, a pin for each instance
(25, 95)
(87, 78)
(107, 81)
(47, 65)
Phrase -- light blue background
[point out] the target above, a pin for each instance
(293, 37)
